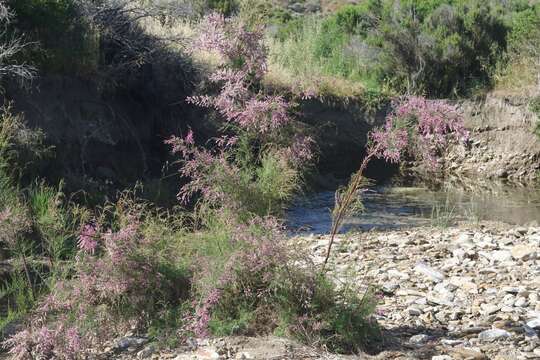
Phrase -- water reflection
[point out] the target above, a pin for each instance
(398, 207)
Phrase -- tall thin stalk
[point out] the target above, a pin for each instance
(345, 201)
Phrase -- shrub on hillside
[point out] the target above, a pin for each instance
(435, 48)
(21, 148)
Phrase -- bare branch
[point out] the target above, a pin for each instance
(10, 46)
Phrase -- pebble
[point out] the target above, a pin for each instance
(429, 272)
(493, 334)
(523, 252)
(419, 339)
(534, 323)
(146, 352)
(130, 342)
(414, 311)
(500, 255)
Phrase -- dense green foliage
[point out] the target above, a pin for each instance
(437, 48)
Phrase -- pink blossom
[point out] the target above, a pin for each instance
(189, 138)
(244, 56)
(20, 345)
(73, 340)
(420, 127)
(87, 239)
(45, 341)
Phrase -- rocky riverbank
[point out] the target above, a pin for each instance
(456, 293)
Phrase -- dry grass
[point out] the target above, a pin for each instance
(522, 77)
(321, 86)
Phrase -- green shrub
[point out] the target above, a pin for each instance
(436, 48)
(255, 12)
(22, 150)
(225, 7)
(454, 49)
(254, 283)
(525, 25)
(312, 47)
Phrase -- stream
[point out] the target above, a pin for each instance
(390, 207)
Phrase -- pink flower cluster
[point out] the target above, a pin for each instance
(202, 166)
(46, 342)
(244, 66)
(87, 239)
(420, 127)
(238, 46)
(103, 279)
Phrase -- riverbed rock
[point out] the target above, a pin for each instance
(128, 342)
(500, 255)
(523, 252)
(429, 272)
(493, 334)
(534, 323)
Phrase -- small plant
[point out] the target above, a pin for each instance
(20, 146)
(534, 106)
(262, 286)
(443, 215)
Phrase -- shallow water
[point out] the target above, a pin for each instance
(400, 207)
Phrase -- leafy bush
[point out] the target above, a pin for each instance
(534, 106)
(21, 148)
(417, 128)
(257, 12)
(120, 258)
(223, 7)
(265, 288)
(521, 66)
(435, 48)
(455, 49)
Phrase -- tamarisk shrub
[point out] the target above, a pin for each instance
(418, 128)
(119, 280)
(247, 280)
(255, 164)
(266, 287)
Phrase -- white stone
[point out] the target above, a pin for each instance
(523, 252)
(500, 255)
(419, 339)
(489, 309)
(442, 357)
(429, 272)
(521, 302)
(493, 334)
(534, 323)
